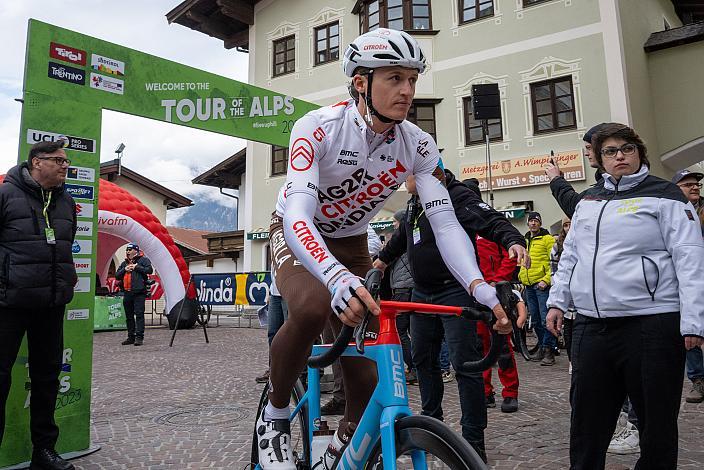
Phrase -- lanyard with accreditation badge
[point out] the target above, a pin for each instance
(48, 231)
(416, 229)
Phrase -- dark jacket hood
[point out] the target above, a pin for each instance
(19, 176)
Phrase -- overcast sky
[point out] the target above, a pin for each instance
(171, 155)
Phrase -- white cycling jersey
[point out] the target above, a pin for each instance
(340, 173)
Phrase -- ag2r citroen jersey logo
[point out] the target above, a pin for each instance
(302, 154)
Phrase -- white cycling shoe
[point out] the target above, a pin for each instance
(274, 444)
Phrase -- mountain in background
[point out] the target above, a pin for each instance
(205, 214)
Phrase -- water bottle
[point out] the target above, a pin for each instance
(321, 439)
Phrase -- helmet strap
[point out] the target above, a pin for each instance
(370, 107)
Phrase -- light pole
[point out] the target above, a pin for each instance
(120, 148)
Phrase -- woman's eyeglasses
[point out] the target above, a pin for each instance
(58, 160)
(625, 149)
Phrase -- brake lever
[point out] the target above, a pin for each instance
(372, 282)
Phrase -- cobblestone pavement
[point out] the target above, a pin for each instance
(193, 405)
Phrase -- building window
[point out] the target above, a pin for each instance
(327, 43)
(553, 105)
(423, 115)
(405, 15)
(284, 55)
(473, 129)
(471, 10)
(528, 3)
(279, 160)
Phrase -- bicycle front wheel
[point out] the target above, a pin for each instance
(442, 446)
(299, 427)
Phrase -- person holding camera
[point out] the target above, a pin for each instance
(134, 275)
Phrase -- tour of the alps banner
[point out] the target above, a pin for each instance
(233, 289)
(69, 78)
(110, 76)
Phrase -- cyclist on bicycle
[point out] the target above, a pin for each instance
(345, 161)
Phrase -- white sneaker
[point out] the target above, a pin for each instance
(628, 442)
(274, 444)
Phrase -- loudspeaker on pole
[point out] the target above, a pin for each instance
(486, 101)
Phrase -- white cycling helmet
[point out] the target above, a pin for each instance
(383, 48)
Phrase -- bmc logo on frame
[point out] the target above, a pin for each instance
(67, 54)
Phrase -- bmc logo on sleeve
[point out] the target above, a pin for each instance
(302, 154)
(67, 54)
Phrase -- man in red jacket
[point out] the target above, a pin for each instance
(496, 266)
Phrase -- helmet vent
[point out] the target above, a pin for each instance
(410, 47)
(396, 48)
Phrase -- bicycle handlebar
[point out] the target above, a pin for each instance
(372, 283)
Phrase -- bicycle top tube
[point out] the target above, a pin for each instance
(392, 307)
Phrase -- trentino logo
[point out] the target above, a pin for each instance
(66, 73)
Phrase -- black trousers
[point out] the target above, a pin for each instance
(45, 342)
(640, 356)
(427, 332)
(134, 313)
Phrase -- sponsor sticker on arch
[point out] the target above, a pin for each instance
(84, 228)
(84, 210)
(112, 221)
(82, 247)
(82, 265)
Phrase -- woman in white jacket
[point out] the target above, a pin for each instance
(632, 265)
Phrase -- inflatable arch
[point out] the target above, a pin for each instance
(122, 218)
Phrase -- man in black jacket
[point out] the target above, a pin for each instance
(37, 276)
(434, 283)
(562, 191)
(134, 274)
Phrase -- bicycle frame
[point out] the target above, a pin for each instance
(390, 398)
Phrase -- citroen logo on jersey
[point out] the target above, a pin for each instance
(302, 154)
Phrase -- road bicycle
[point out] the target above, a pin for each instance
(388, 434)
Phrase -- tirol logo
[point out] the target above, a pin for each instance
(67, 53)
(80, 144)
(79, 173)
(109, 84)
(66, 73)
(84, 210)
(107, 65)
(79, 191)
(302, 154)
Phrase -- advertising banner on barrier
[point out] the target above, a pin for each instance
(109, 313)
(233, 289)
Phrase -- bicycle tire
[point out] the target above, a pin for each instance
(299, 428)
(443, 447)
